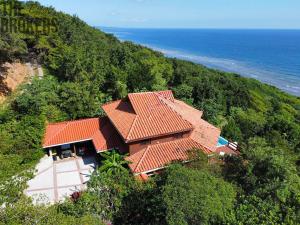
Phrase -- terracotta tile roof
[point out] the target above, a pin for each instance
(159, 155)
(204, 133)
(98, 130)
(145, 116)
(142, 177)
(121, 115)
(166, 94)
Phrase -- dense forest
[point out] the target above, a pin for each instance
(85, 68)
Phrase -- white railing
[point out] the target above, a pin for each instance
(233, 145)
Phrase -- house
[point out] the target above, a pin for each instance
(153, 127)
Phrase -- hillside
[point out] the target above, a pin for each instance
(12, 75)
(86, 68)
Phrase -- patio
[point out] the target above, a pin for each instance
(55, 181)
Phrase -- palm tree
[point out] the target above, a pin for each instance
(114, 163)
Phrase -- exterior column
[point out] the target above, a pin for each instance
(74, 150)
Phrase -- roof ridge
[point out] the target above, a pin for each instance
(149, 92)
(134, 109)
(94, 134)
(106, 124)
(111, 102)
(57, 123)
(172, 141)
(140, 93)
(63, 128)
(71, 121)
(190, 106)
(163, 101)
(132, 125)
(142, 158)
(181, 140)
(204, 148)
(165, 91)
(211, 126)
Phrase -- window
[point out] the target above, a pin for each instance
(146, 142)
(177, 136)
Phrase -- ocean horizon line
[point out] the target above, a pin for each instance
(197, 28)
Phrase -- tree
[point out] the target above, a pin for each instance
(34, 97)
(11, 47)
(115, 84)
(268, 177)
(24, 212)
(104, 196)
(78, 100)
(197, 197)
(232, 130)
(250, 122)
(253, 210)
(143, 205)
(114, 163)
(184, 92)
(90, 67)
(156, 71)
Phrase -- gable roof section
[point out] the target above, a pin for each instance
(121, 115)
(204, 133)
(145, 116)
(98, 130)
(158, 156)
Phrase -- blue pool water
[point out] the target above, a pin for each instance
(271, 56)
(222, 141)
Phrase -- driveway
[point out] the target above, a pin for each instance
(55, 181)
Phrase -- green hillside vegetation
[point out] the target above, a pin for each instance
(85, 68)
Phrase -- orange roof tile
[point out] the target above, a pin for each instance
(204, 133)
(121, 115)
(142, 177)
(98, 130)
(145, 116)
(158, 156)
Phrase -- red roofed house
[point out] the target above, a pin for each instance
(153, 127)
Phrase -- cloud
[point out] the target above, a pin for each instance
(115, 13)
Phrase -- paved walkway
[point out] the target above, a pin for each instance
(54, 181)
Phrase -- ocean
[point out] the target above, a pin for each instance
(271, 56)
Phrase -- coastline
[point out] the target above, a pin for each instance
(233, 66)
(288, 83)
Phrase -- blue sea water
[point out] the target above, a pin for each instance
(271, 56)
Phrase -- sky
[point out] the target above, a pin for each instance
(249, 14)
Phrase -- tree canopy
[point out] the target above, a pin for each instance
(85, 68)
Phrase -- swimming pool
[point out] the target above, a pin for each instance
(222, 141)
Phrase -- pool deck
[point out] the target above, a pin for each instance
(227, 150)
(55, 181)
